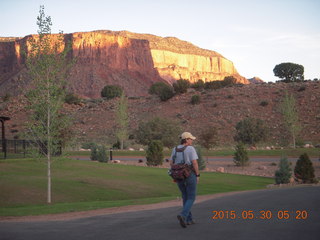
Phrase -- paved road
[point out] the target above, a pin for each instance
(162, 223)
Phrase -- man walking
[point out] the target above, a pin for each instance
(185, 153)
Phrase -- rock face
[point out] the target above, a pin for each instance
(256, 80)
(133, 61)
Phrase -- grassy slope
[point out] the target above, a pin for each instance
(85, 185)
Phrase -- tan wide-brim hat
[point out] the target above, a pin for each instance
(187, 135)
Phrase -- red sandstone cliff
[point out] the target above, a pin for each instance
(133, 61)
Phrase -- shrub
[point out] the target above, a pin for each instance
(111, 91)
(230, 97)
(304, 170)
(229, 81)
(264, 103)
(283, 175)
(250, 131)
(199, 85)
(201, 161)
(88, 145)
(6, 97)
(302, 88)
(72, 99)
(94, 152)
(208, 137)
(241, 157)
(181, 86)
(154, 153)
(195, 99)
(99, 153)
(116, 145)
(162, 90)
(102, 154)
(157, 87)
(158, 129)
(213, 85)
(166, 94)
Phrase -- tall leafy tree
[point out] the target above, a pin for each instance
(47, 64)
(160, 129)
(208, 138)
(250, 131)
(290, 116)
(289, 72)
(122, 120)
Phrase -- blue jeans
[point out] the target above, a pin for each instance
(188, 188)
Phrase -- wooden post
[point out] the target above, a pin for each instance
(4, 142)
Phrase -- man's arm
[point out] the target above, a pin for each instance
(196, 168)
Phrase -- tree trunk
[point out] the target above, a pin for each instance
(49, 178)
(49, 148)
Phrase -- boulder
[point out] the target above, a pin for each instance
(220, 169)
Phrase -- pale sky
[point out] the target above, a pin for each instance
(255, 35)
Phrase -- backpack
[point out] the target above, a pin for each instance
(179, 171)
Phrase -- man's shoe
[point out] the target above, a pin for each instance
(191, 222)
(182, 221)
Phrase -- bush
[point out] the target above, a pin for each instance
(181, 86)
(250, 131)
(88, 145)
(72, 99)
(241, 157)
(199, 85)
(195, 99)
(162, 90)
(94, 152)
(304, 170)
(264, 103)
(102, 154)
(229, 81)
(283, 175)
(161, 129)
(166, 94)
(6, 97)
(111, 91)
(213, 85)
(201, 161)
(157, 87)
(99, 153)
(154, 153)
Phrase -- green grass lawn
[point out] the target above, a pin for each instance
(86, 185)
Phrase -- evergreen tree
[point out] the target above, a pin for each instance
(304, 169)
(241, 157)
(283, 175)
(154, 153)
